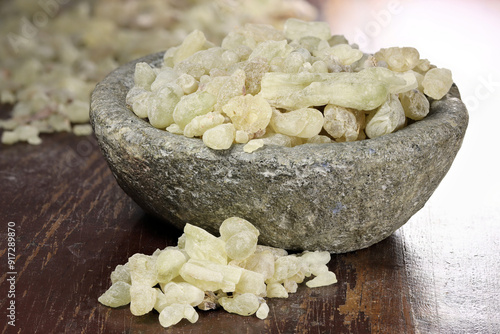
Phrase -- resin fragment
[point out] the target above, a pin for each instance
(193, 42)
(8, 124)
(315, 262)
(285, 267)
(344, 54)
(77, 112)
(253, 145)
(251, 282)
(276, 252)
(396, 82)
(241, 137)
(234, 225)
(248, 113)
(195, 70)
(243, 304)
(117, 295)
(415, 104)
(160, 114)
(192, 105)
(142, 269)
(337, 39)
(295, 29)
(174, 313)
(229, 87)
(182, 292)
(220, 137)
(10, 137)
(270, 50)
(293, 62)
(241, 245)
(144, 76)
(210, 60)
(192, 294)
(386, 119)
(121, 273)
(27, 132)
(280, 139)
(423, 66)
(198, 125)
(167, 77)
(276, 290)
(211, 276)
(303, 123)
(437, 82)
(138, 99)
(190, 314)
(290, 285)
(351, 90)
(262, 311)
(201, 245)
(322, 279)
(168, 264)
(161, 301)
(343, 124)
(399, 59)
(256, 33)
(142, 299)
(260, 262)
(205, 278)
(175, 129)
(188, 83)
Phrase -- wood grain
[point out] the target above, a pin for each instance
(74, 225)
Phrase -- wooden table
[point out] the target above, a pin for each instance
(73, 225)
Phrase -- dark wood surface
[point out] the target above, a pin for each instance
(437, 274)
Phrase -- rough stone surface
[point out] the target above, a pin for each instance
(338, 197)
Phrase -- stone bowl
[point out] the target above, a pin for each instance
(337, 197)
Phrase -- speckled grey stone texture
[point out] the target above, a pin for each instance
(337, 197)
